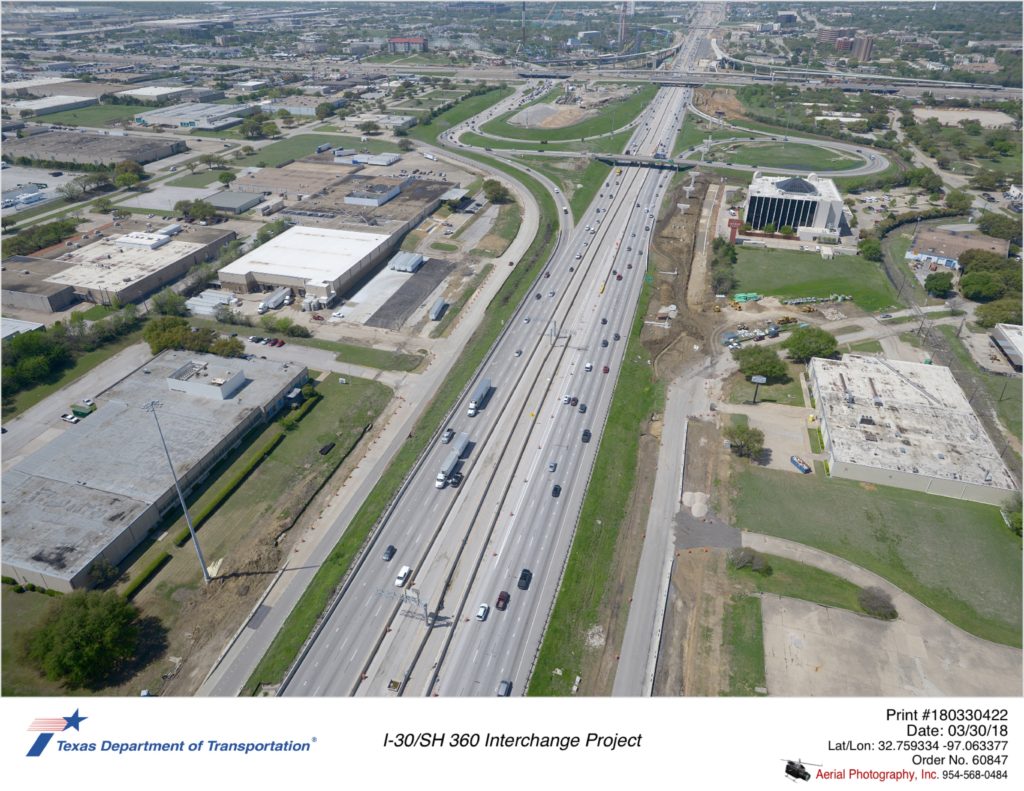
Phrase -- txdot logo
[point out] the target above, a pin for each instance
(50, 726)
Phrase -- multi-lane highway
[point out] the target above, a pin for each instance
(466, 544)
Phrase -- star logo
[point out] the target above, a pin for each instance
(47, 726)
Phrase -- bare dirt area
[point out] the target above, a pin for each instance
(713, 100)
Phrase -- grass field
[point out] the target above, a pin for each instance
(609, 144)
(739, 390)
(584, 586)
(1004, 390)
(787, 155)
(305, 145)
(85, 363)
(789, 274)
(96, 115)
(504, 230)
(695, 131)
(300, 622)
(446, 247)
(97, 312)
(201, 178)
(800, 581)
(611, 117)
(427, 133)
(957, 557)
(865, 347)
(743, 640)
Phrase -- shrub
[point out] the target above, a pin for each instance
(745, 557)
(877, 603)
(8, 581)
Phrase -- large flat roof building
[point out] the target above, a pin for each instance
(318, 262)
(156, 94)
(197, 115)
(810, 204)
(1009, 339)
(101, 487)
(294, 180)
(907, 425)
(83, 148)
(50, 104)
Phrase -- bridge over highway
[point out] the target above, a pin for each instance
(625, 160)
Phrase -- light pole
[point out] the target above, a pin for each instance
(151, 407)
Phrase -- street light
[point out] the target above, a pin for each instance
(151, 407)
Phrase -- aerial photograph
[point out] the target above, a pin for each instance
(511, 349)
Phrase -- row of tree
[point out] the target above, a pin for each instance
(174, 332)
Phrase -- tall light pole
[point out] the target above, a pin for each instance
(151, 407)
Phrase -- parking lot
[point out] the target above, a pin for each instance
(14, 177)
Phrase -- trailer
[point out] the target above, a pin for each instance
(458, 447)
(282, 296)
(431, 157)
(476, 403)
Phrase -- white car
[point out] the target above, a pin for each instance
(69, 418)
(403, 576)
(337, 315)
(588, 367)
(482, 610)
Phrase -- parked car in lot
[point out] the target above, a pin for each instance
(69, 418)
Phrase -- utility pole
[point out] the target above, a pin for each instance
(151, 407)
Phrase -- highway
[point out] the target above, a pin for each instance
(465, 544)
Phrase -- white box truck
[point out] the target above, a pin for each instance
(476, 403)
(458, 447)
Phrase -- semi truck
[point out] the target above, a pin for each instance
(476, 403)
(458, 447)
(282, 296)
(431, 157)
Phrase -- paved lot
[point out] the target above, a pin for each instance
(411, 295)
(811, 650)
(785, 432)
(164, 198)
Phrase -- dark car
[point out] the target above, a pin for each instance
(326, 448)
(389, 552)
(616, 336)
(574, 401)
(604, 370)
(524, 579)
(604, 321)
(536, 296)
(455, 480)
(583, 408)
(56, 173)
(604, 342)
(504, 689)
(618, 277)
(586, 435)
(502, 602)
(556, 490)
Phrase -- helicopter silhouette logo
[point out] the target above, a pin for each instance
(797, 770)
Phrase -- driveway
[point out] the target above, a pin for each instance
(812, 650)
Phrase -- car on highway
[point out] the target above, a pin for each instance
(604, 370)
(537, 295)
(586, 435)
(629, 249)
(618, 277)
(647, 227)
(552, 466)
(504, 689)
(604, 342)
(582, 408)
(551, 293)
(526, 320)
(885, 316)
(455, 480)
(588, 367)
(482, 610)
(547, 274)
(579, 256)
(556, 490)
(604, 321)
(616, 336)
(69, 418)
(389, 552)
(566, 399)
(502, 602)
(448, 436)
(519, 353)
(574, 401)
(524, 580)
(403, 576)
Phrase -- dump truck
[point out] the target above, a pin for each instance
(476, 403)
(458, 447)
(282, 296)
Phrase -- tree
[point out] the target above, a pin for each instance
(875, 601)
(126, 180)
(103, 573)
(744, 440)
(227, 347)
(761, 361)
(202, 210)
(1000, 226)
(183, 207)
(1002, 311)
(269, 129)
(70, 191)
(103, 205)
(324, 110)
(807, 342)
(939, 283)
(986, 180)
(769, 229)
(129, 166)
(85, 637)
(958, 200)
(251, 128)
(369, 127)
(405, 144)
(496, 192)
(169, 303)
(982, 286)
(871, 249)
(226, 178)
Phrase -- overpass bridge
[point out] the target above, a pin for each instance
(627, 161)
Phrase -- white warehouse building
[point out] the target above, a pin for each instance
(811, 206)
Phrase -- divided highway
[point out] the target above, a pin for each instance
(465, 544)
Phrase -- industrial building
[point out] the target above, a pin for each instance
(1009, 339)
(294, 180)
(196, 115)
(11, 327)
(102, 486)
(50, 104)
(234, 202)
(344, 156)
(811, 206)
(942, 247)
(304, 106)
(907, 425)
(207, 302)
(83, 148)
(121, 268)
(329, 208)
(374, 192)
(316, 262)
(156, 94)
(407, 44)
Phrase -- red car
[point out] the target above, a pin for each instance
(604, 370)
(618, 277)
(502, 602)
